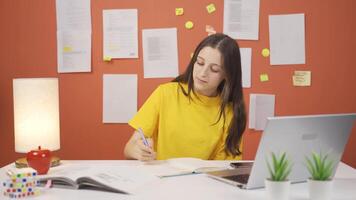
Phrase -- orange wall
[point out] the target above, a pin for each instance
(28, 49)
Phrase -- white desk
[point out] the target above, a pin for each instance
(196, 186)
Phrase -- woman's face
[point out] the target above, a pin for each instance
(208, 72)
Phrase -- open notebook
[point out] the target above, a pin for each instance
(118, 179)
(182, 166)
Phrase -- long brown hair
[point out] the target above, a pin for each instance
(230, 89)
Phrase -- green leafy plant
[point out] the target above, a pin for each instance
(320, 166)
(280, 168)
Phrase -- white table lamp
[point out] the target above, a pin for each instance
(36, 114)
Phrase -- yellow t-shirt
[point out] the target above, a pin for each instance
(181, 127)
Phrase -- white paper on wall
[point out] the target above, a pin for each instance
(160, 53)
(73, 51)
(73, 15)
(73, 36)
(120, 33)
(246, 56)
(119, 97)
(261, 107)
(241, 19)
(287, 39)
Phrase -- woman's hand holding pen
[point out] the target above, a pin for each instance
(143, 152)
(136, 148)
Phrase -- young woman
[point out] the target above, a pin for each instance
(201, 113)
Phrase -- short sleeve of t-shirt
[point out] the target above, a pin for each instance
(148, 115)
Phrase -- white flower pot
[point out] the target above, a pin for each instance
(277, 190)
(320, 190)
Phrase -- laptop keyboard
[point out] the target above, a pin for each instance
(241, 178)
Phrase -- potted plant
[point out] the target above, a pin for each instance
(320, 168)
(277, 185)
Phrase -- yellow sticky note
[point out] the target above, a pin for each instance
(67, 49)
(179, 11)
(107, 58)
(265, 52)
(302, 78)
(210, 8)
(264, 77)
(189, 25)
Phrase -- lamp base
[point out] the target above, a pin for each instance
(22, 162)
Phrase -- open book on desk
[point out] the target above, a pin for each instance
(118, 179)
(182, 166)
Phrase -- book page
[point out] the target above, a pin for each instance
(191, 164)
(181, 166)
(71, 171)
(161, 169)
(124, 178)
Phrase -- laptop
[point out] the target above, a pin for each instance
(298, 136)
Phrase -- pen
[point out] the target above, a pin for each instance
(145, 142)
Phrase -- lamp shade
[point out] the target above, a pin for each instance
(36, 114)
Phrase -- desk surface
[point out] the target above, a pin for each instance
(196, 186)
